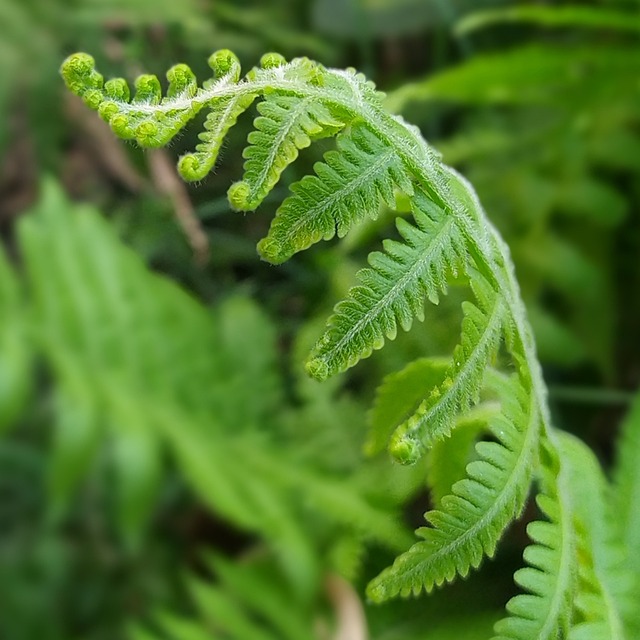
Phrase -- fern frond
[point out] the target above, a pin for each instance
(398, 396)
(393, 289)
(544, 612)
(139, 363)
(448, 458)
(471, 520)
(349, 185)
(377, 154)
(605, 580)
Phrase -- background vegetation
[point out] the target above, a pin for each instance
(167, 469)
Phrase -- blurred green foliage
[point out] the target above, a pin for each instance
(153, 409)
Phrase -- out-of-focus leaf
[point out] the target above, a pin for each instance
(140, 364)
(556, 343)
(355, 19)
(594, 199)
(552, 16)
(525, 75)
(249, 600)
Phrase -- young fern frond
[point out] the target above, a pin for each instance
(196, 166)
(376, 154)
(481, 334)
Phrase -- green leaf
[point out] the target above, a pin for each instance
(480, 339)
(549, 580)
(526, 75)
(286, 124)
(398, 397)
(222, 117)
(604, 578)
(348, 186)
(448, 458)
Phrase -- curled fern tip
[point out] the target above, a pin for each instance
(405, 450)
(239, 195)
(317, 369)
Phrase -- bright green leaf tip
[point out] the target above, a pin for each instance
(189, 168)
(79, 74)
(223, 62)
(239, 196)
(377, 592)
(405, 450)
(120, 126)
(272, 60)
(147, 134)
(180, 77)
(107, 110)
(117, 89)
(271, 251)
(93, 98)
(77, 65)
(318, 369)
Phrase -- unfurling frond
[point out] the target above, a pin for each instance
(376, 156)
(435, 417)
(286, 124)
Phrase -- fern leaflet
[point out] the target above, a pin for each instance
(286, 124)
(545, 611)
(393, 289)
(348, 185)
(470, 521)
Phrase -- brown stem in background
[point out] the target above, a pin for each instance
(351, 620)
(105, 147)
